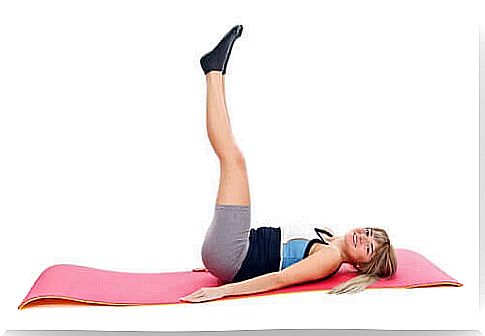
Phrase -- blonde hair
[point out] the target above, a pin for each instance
(383, 264)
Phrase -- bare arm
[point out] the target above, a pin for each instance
(262, 283)
(314, 267)
(258, 284)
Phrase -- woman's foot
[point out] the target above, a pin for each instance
(216, 60)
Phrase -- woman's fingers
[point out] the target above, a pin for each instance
(197, 299)
(204, 294)
(193, 295)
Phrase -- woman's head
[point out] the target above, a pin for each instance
(370, 251)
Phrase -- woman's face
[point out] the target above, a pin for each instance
(360, 244)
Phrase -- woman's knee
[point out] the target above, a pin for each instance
(233, 157)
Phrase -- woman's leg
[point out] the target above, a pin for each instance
(233, 182)
(226, 243)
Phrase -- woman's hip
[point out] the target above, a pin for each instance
(227, 240)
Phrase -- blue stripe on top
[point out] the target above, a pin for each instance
(293, 251)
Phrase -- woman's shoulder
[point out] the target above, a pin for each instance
(329, 252)
(333, 258)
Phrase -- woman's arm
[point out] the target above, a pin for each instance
(315, 266)
(262, 283)
(258, 284)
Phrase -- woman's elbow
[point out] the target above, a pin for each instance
(281, 280)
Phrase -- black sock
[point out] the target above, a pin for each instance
(217, 58)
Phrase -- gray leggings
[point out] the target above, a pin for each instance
(227, 240)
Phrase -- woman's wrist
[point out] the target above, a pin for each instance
(258, 284)
(227, 289)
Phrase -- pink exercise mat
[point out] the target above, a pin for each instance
(71, 283)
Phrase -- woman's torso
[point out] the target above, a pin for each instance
(298, 242)
(272, 249)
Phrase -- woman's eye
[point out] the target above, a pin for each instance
(367, 232)
(367, 249)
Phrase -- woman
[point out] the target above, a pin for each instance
(252, 261)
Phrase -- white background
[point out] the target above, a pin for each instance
(348, 113)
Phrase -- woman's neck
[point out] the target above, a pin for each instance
(339, 242)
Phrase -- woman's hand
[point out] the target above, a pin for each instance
(205, 294)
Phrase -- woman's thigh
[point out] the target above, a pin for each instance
(227, 240)
(233, 181)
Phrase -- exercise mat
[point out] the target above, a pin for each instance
(78, 284)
